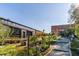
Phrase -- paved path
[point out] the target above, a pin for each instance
(61, 48)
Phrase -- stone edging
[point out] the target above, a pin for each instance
(50, 49)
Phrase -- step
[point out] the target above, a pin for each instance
(61, 50)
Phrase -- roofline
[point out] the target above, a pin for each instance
(18, 23)
(62, 25)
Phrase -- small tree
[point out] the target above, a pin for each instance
(69, 32)
(74, 17)
(4, 32)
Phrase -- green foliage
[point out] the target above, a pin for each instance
(32, 39)
(44, 39)
(8, 50)
(77, 30)
(12, 50)
(32, 51)
(75, 43)
(74, 17)
(54, 37)
(69, 32)
(21, 51)
(74, 46)
(35, 49)
(74, 14)
(4, 32)
(44, 47)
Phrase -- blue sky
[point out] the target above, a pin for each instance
(38, 16)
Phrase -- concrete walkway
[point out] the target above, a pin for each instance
(61, 48)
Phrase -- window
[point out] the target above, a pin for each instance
(16, 32)
(29, 33)
(23, 34)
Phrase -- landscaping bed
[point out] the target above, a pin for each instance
(38, 46)
(12, 50)
(75, 47)
(75, 52)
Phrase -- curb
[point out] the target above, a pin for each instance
(50, 49)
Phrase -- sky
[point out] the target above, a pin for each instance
(39, 16)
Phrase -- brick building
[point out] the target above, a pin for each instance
(60, 28)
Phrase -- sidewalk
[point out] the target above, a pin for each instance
(61, 48)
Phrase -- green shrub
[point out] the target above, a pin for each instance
(21, 51)
(44, 47)
(12, 50)
(77, 30)
(32, 39)
(4, 32)
(75, 43)
(8, 50)
(32, 51)
(74, 46)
